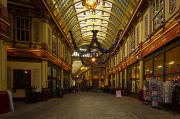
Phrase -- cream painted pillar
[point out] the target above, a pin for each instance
(99, 82)
(125, 76)
(141, 75)
(62, 79)
(106, 77)
(117, 75)
(3, 65)
(120, 79)
(90, 82)
(3, 49)
(70, 80)
(115, 81)
(112, 81)
(44, 71)
(44, 29)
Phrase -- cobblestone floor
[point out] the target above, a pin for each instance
(88, 105)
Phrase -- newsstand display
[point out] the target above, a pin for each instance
(154, 92)
(162, 94)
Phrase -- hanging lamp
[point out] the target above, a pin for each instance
(90, 4)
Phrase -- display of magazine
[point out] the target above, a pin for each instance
(167, 89)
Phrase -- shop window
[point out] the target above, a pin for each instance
(55, 46)
(129, 74)
(123, 51)
(133, 72)
(49, 71)
(157, 13)
(22, 29)
(22, 79)
(133, 40)
(148, 68)
(128, 46)
(158, 66)
(137, 77)
(133, 85)
(137, 71)
(172, 63)
(172, 6)
(137, 36)
(146, 26)
(133, 78)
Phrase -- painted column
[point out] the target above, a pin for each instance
(99, 81)
(120, 79)
(117, 75)
(141, 74)
(112, 81)
(125, 76)
(90, 82)
(44, 71)
(3, 65)
(106, 77)
(4, 23)
(45, 34)
(116, 81)
(140, 95)
(62, 78)
(70, 80)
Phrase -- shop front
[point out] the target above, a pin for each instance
(133, 80)
(54, 81)
(161, 85)
(66, 81)
(124, 91)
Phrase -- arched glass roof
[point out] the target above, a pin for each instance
(109, 17)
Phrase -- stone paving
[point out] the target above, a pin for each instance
(88, 105)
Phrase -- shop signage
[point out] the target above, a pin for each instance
(162, 40)
(24, 54)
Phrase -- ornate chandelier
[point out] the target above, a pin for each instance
(90, 4)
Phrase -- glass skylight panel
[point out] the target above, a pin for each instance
(54, 1)
(68, 13)
(98, 20)
(84, 33)
(100, 2)
(106, 17)
(88, 13)
(98, 27)
(98, 13)
(83, 28)
(82, 22)
(80, 14)
(108, 8)
(104, 29)
(108, 3)
(106, 14)
(78, 5)
(105, 22)
(75, 27)
(89, 27)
